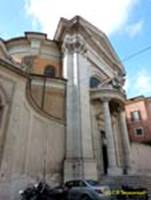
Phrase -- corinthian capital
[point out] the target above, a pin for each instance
(74, 43)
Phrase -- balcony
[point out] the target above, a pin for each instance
(113, 92)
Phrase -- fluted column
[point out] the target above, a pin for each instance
(126, 142)
(112, 168)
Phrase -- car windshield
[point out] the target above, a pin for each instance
(92, 182)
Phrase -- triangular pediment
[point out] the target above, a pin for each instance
(92, 35)
(100, 38)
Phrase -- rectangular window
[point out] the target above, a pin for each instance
(135, 116)
(139, 132)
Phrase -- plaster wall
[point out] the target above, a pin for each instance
(141, 158)
(33, 145)
(144, 122)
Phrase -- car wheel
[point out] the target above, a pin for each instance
(85, 197)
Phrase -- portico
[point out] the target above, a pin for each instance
(111, 103)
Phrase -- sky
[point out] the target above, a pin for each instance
(126, 22)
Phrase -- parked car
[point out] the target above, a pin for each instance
(72, 190)
(81, 189)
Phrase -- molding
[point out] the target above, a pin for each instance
(107, 93)
(97, 60)
(12, 67)
(105, 99)
(55, 83)
(87, 30)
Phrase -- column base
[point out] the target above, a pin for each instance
(80, 168)
(90, 169)
(73, 168)
(114, 171)
(132, 171)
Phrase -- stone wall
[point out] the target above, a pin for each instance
(33, 145)
(141, 158)
(1, 54)
(53, 100)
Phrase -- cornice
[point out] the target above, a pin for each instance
(99, 49)
(80, 26)
(13, 68)
(103, 93)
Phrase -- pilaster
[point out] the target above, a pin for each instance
(97, 142)
(79, 152)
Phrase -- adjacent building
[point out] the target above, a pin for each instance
(138, 112)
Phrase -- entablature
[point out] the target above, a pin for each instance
(108, 93)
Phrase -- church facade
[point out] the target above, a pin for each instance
(61, 108)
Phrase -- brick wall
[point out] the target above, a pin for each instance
(40, 64)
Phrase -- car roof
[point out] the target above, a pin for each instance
(81, 179)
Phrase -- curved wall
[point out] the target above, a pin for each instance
(34, 52)
(34, 145)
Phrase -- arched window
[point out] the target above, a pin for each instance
(94, 82)
(50, 71)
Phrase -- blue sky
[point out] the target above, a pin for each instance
(126, 22)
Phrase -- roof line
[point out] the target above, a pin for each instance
(13, 68)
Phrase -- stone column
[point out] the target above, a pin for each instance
(116, 137)
(126, 142)
(79, 160)
(112, 168)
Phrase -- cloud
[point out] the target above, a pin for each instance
(143, 82)
(135, 28)
(109, 15)
(139, 84)
(127, 85)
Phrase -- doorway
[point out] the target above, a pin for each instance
(105, 158)
(104, 151)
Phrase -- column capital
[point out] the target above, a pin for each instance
(120, 109)
(105, 99)
(74, 44)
